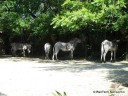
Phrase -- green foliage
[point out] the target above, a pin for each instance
(18, 16)
(11, 19)
(41, 18)
(73, 20)
(72, 5)
(59, 94)
(41, 24)
(77, 14)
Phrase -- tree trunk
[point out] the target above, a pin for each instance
(127, 51)
(1, 46)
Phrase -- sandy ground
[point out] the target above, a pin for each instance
(37, 77)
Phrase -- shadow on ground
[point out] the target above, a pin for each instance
(2, 94)
(117, 72)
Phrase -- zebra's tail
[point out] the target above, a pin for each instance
(102, 51)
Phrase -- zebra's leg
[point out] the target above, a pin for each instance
(101, 56)
(23, 53)
(55, 52)
(45, 55)
(114, 55)
(111, 55)
(13, 53)
(28, 51)
(48, 55)
(56, 55)
(71, 54)
(104, 56)
(53, 56)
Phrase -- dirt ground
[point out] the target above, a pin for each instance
(37, 77)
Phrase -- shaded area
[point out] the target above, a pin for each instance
(117, 72)
(2, 94)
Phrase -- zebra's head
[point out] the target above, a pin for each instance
(29, 48)
(77, 40)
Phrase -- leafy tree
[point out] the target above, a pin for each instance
(14, 17)
(22, 15)
(77, 14)
(93, 17)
